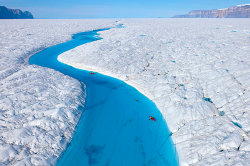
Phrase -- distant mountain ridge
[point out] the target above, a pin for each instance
(240, 11)
(6, 13)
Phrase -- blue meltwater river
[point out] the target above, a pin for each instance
(114, 129)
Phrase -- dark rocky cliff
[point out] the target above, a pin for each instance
(6, 13)
(241, 11)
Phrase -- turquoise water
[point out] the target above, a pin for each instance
(115, 129)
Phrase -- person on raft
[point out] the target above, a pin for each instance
(152, 118)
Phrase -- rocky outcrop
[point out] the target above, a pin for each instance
(6, 13)
(240, 11)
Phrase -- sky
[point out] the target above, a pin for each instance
(78, 9)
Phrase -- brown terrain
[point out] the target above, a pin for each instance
(241, 11)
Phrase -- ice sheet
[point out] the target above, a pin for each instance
(195, 70)
(39, 107)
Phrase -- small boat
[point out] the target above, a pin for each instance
(152, 118)
(91, 72)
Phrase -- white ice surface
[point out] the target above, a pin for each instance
(176, 63)
(38, 106)
(38, 115)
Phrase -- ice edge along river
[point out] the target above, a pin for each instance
(115, 128)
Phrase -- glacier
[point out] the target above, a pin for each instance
(39, 107)
(195, 70)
